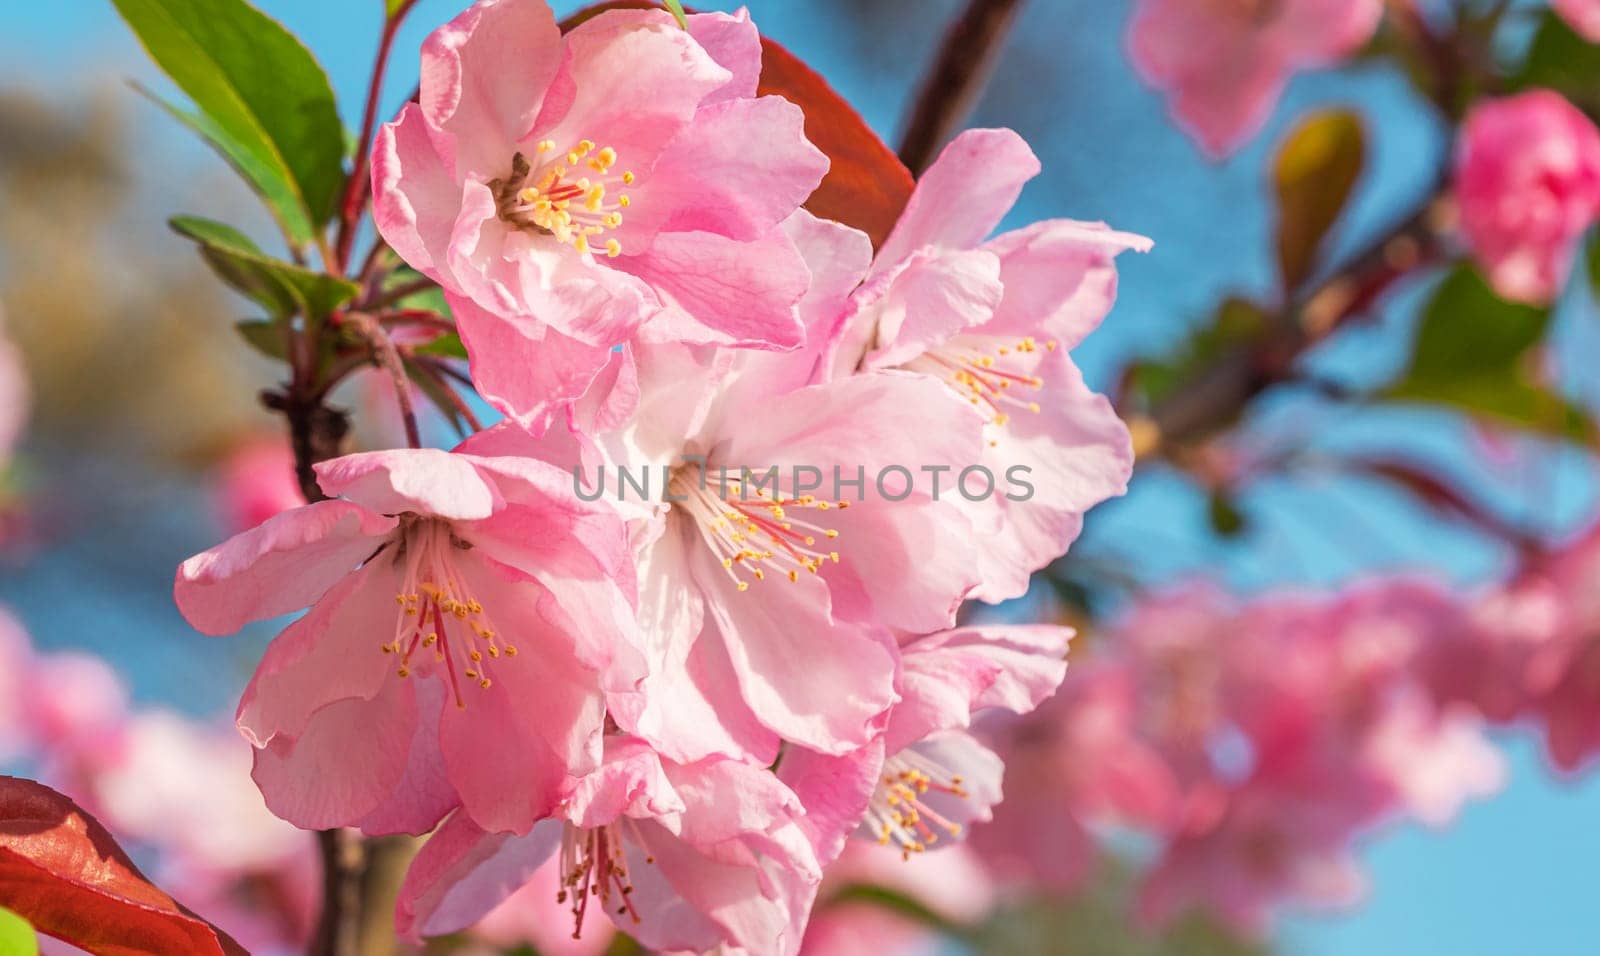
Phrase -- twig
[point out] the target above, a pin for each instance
(1218, 395)
(431, 370)
(950, 89)
(355, 193)
(344, 865)
(388, 358)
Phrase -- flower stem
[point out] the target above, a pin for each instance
(388, 358)
(356, 189)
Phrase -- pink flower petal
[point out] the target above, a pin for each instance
(738, 170)
(732, 40)
(722, 292)
(345, 765)
(1059, 277)
(330, 654)
(283, 565)
(484, 77)
(422, 481)
(522, 366)
(963, 196)
(948, 677)
(462, 873)
(415, 197)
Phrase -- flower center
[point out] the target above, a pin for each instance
(899, 811)
(594, 864)
(438, 614)
(751, 526)
(567, 195)
(987, 376)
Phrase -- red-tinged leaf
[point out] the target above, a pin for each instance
(867, 186)
(64, 873)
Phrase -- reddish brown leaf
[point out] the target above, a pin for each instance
(867, 186)
(64, 873)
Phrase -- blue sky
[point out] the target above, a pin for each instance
(1514, 873)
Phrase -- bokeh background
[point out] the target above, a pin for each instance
(141, 388)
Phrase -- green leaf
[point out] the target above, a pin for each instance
(17, 937)
(1226, 518)
(448, 345)
(1561, 60)
(281, 287)
(267, 336)
(278, 196)
(676, 9)
(1472, 352)
(1314, 173)
(262, 99)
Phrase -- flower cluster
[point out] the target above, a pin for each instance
(685, 694)
(1254, 742)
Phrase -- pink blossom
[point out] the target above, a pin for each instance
(994, 320)
(1435, 762)
(225, 853)
(937, 779)
(766, 605)
(256, 482)
(1293, 723)
(570, 191)
(1075, 763)
(681, 857)
(1565, 676)
(535, 915)
(1528, 183)
(468, 617)
(1267, 841)
(1583, 15)
(1223, 64)
(952, 884)
(15, 652)
(868, 929)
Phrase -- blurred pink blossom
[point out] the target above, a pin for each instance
(1224, 63)
(184, 789)
(1583, 15)
(257, 481)
(953, 884)
(535, 915)
(1074, 764)
(1528, 184)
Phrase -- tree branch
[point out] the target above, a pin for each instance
(950, 89)
(1216, 397)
